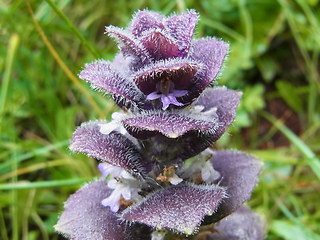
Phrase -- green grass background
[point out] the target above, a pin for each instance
(274, 60)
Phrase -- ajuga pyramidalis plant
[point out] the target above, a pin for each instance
(164, 181)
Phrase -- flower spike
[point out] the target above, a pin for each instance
(159, 176)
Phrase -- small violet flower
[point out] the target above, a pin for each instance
(108, 169)
(124, 184)
(167, 97)
(201, 167)
(158, 172)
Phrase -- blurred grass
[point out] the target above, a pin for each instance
(274, 60)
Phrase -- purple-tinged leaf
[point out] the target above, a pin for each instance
(128, 43)
(171, 125)
(179, 73)
(145, 20)
(242, 224)
(219, 110)
(84, 217)
(102, 75)
(187, 132)
(225, 100)
(211, 53)
(180, 208)
(239, 174)
(181, 27)
(160, 46)
(113, 148)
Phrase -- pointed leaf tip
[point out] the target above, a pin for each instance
(180, 208)
(112, 148)
(242, 224)
(84, 217)
(239, 174)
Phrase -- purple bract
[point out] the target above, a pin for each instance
(162, 178)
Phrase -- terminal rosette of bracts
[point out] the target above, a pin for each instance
(159, 177)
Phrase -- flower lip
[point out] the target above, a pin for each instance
(165, 91)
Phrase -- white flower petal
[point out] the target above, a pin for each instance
(108, 127)
(112, 201)
(113, 183)
(126, 193)
(175, 180)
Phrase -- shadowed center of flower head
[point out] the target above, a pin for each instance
(167, 80)
(165, 85)
(165, 90)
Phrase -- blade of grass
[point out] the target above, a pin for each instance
(73, 29)
(13, 45)
(307, 232)
(286, 230)
(310, 15)
(26, 214)
(35, 167)
(3, 232)
(181, 5)
(42, 184)
(247, 23)
(63, 66)
(276, 28)
(312, 103)
(37, 219)
(314, 22)
(14, 200)
(38, 152)
(311, 68)
(294, 29)
(279, 156)
(222, 28)
(312, 159)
